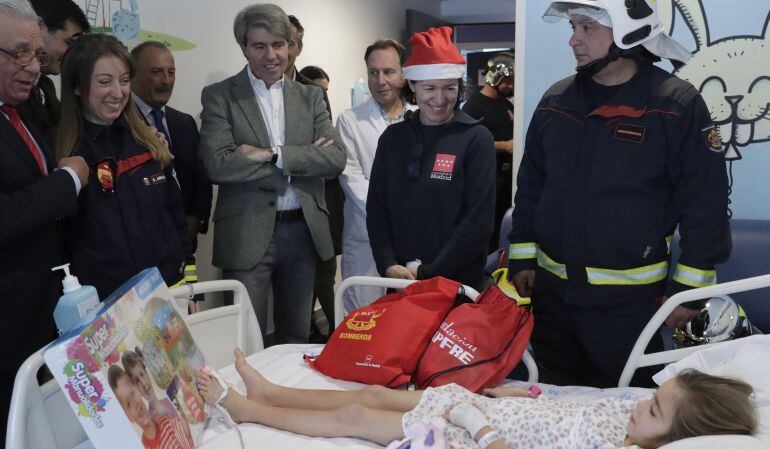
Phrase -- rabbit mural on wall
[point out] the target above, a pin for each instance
(732, 74)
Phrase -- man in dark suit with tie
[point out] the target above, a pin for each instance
(151, 88)
(34, 194)
(326, 270)
(64, 22)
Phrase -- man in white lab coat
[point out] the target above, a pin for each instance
(360, 129)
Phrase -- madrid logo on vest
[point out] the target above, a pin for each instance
(443, 167)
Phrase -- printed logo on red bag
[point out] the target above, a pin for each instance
(443, 167)
(368, 362)
(364, 321)
(457, 346)
(361, 322)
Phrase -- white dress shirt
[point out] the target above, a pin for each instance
(270, 102)
(146, 111)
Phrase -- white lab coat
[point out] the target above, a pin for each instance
(360, 129)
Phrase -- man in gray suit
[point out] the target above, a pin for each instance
(269, 143)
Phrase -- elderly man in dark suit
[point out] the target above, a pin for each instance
(34, 194)
(151, 89)
(269, 144)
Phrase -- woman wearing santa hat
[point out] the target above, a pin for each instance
(430, 207)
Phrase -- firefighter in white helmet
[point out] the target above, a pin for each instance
(616, 158)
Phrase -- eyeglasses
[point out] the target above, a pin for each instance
(24, 58)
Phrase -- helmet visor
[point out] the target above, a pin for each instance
(581, 12)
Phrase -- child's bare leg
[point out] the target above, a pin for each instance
(353, 420)
(376, 397)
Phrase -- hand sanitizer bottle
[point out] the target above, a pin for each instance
(359, 93)
(77, 302)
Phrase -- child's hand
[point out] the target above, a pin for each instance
(467, 416)
(506, 392)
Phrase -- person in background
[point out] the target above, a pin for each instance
(34, 195)
(131, 216)
(295, 49)
(269, 144)
(360, 129)
(493, 107)
(317, 75)
(326, 270)
(615, 159)
(64, 22)
(151, 90)
(430, 207)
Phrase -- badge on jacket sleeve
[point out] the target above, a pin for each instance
(712, 139)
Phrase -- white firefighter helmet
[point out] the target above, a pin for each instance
(633, 22)
(499, 67)
(721, 319)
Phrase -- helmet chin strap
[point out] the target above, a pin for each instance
(638, 54)
(597, 65)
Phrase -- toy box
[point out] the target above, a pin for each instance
(129, 373)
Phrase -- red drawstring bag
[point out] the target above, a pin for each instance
(382, 342)
(477, 345)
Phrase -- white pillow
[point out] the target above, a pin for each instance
(747, 359)
(717, 442)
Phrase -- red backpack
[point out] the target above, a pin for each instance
(382, 342)
(477, 345)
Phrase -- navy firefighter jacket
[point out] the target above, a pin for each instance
(601, 190)
(130, 214)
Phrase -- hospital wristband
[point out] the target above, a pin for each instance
(488, 438)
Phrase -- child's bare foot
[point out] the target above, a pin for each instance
(257, 387)
(209, 388)
(240, 408)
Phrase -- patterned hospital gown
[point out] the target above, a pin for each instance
(527, 423)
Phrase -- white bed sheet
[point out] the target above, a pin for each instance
(283, 364)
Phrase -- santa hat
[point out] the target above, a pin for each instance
(434, 56)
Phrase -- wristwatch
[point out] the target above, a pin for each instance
(274, 159)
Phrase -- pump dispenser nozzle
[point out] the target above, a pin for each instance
(70, 282)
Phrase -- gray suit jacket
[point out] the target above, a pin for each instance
(246, 203)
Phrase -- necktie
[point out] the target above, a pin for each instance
(13, 117)
(157, 117)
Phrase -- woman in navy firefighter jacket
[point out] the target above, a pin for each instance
(130, 215)
(430, 207)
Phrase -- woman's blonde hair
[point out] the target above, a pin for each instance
(709, 405)
(77, 68)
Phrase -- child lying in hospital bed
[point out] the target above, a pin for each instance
(690, 404)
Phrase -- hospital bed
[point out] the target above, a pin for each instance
(284, 365)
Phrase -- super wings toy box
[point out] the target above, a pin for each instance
(129, 373)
